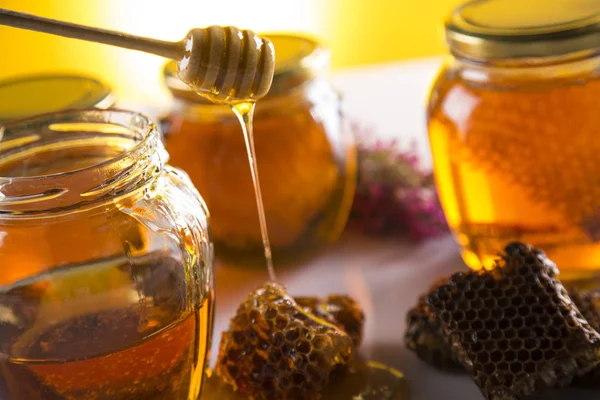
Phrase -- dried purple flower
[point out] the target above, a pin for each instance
(394, 195)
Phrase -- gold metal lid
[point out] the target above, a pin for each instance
(38, 94)
(297, 59)
(509, 29)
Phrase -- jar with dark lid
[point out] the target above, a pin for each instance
(513, 119)
(306, 157)
(29, 95)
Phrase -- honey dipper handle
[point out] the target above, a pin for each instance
(173, 50)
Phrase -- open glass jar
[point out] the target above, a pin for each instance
(306, 157)
(513, 122)
(106, 289)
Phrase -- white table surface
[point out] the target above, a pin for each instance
(385, 276)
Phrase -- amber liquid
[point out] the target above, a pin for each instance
(82, 332)
(520, 163)
(245, 113)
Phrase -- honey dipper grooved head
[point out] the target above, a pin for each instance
(227, 65)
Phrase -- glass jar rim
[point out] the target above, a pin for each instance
(104, 180)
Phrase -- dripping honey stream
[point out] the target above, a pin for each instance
(245, 113)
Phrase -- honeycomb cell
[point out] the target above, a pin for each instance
(339, 310)
(276, 350)
(484, 315)
(538, 342)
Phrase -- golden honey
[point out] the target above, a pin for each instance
(117, 352)
(513, 131)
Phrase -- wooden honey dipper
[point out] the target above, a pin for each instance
(224, 64)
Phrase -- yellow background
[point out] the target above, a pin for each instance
(358, 32)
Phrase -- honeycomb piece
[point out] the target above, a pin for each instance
(339, 310)
(514, 328)
(587, 302)
(275, 350)
(424, 336)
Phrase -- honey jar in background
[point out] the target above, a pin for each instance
(514, 123)
(306, 158)
(25, 96)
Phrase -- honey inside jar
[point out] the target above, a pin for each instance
(512, 128)
(305, 158)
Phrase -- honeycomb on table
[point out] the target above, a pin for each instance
(425, 338)
(588, 303)
(340, 310)
(514, 328)
(276, 350)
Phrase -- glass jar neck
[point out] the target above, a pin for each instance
(527, 70)
(75, 160)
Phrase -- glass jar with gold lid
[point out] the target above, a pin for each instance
(513, 119)
(306, 157)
